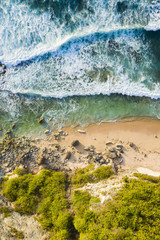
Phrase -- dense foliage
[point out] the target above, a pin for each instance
(43, 194)
(133, 214)
(89, 175)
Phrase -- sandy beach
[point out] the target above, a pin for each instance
(143, 134)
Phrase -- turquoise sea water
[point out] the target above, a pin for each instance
(78, 61)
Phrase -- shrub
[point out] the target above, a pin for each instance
(6, 211)
(43, 194)
(147, 177)
(81, 201)
(20, 171)
(16, 233)
(103, 172)
(134, 213)
(89, 175)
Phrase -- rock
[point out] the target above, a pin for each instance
(65, 134)
(119, 154)
(86, 149)
(112, 150)
(2, 69)
(8, 131)
(68, 155)
(109, 143)
(13, 125)
(57, 134)
(75, 143)
(41, 120)
(131, 144)
(98, 158)
(111, 155)
(46, 131)
(102, 161)
(41, 160)
(57, 146)
(60, 132)
(92, 150)
(119, 146)
(81, 131)
(79, 152)
(50, 119)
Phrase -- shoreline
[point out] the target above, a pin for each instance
(126, 145)
(144, 133)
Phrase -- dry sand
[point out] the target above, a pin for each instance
(144, 133)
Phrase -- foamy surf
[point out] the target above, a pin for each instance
(79, 61)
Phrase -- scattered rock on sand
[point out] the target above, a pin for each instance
(109, 143)
(46, 131)
(68, 155)
(81, 131)
(75, 143)
(131, 144)
(112, 155)
(120, 148)
(41, 160)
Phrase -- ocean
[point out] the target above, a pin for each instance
(78, 62)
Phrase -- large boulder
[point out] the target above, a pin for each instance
(75, 143)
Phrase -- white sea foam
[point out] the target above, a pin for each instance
(26, 34)
(123, 86)
(154, 22)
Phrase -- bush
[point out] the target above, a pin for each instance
(6, 211)
(81, 201)
(89, 175)
(20, 171)
(43, 194)
(103, 173)
(134, 213)
(17, 234)
(147, 177)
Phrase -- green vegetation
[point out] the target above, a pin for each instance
(147, 177)
(89, 175)
(20, 171)
(43, 194)
(16, 233)
(6, 211)
(133, 214)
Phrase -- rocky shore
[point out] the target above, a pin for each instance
(34, 155)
